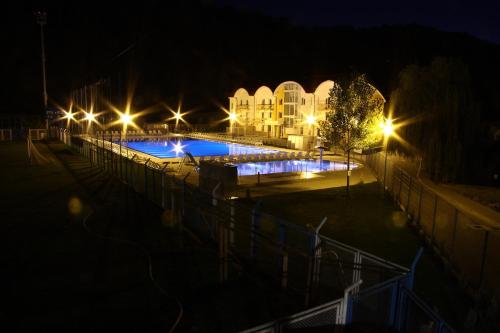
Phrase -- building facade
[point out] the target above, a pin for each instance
(286, 112)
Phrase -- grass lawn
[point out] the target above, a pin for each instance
(375, 224)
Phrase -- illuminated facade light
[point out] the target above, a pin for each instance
(311, 120)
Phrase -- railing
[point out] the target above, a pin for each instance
(265, 107)
(387, 306)
(253, 140)
(5, 134)
(37, 134)
(307, 265)
(468, 245)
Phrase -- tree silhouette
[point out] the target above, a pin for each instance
(356, 111)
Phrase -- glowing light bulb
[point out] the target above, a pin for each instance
(126, 118)
(387, 127)
(310, 119)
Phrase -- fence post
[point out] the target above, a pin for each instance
(232, 212)
(146, 178)
(453, 237)
(281, 243)
(400, 185)
(356, 273)
(409, 194)
(184, 184)
(153, 185)
(284, 270)
(394, 301)
(347, 303)
(172, 197)
(162, 186)
(317, 252)
(434, 218)
(483, 258)
(223, 254)
(411, 273)
(420, 204)
(310, 269)
(254, 229)
(314, 261)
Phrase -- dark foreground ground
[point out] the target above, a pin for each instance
(61, 274)
(77, 247)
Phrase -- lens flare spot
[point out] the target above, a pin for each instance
(75, 206)
(398, 219)
(167, 218)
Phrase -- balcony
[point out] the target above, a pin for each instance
(265, 107)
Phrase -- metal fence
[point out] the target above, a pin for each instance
(467, 244)
(306, 264)
(388, 305)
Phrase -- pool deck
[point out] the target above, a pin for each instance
(272, 184)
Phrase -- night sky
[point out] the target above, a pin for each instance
(478, 18)
(85, 38)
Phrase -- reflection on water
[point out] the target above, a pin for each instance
(252, 168)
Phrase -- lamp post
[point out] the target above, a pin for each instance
(388, 129)
(41, 18)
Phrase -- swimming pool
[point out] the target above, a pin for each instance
(176, 148)
(268, 167)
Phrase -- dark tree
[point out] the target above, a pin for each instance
(356, 110)
(443, 115)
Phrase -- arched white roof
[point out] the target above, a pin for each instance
(263, 91)
(286, 82)
(323, 88)
(241, 92)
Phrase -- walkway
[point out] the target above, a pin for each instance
(477, 211)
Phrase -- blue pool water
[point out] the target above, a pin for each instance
(252, 168)
(176, 148)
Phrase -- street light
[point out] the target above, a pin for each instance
(388, 130)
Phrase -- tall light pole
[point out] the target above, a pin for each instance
(41, 18)
(388, 129)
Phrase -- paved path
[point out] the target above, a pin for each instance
(480, 213)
